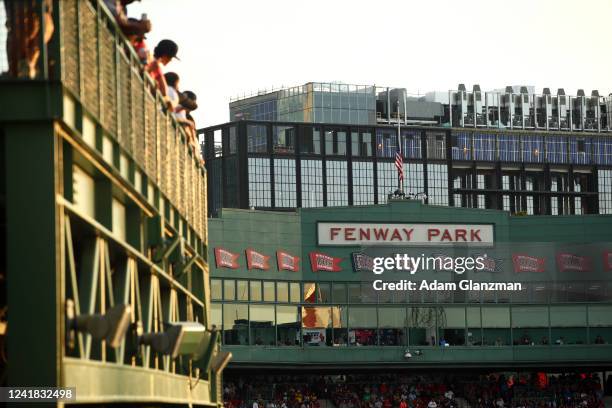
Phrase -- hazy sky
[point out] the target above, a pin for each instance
(229, 48)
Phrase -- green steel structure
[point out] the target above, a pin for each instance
(562, 317)
(103, 204)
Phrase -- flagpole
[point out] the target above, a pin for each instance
(400, 181)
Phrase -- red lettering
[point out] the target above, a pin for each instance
(396, 235)
(446, 236)
(348, 234)
(475, 235)
(333, 232)
(364, 234)
(408, 233)
(432, 232)
(460, 234)
(381, 233)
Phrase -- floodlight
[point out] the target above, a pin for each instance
(180, 338)
(110, 326)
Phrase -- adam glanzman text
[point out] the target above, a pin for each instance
(458, 265)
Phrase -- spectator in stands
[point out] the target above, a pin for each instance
(140, 46)
(599, 340)
(163, 53)
(188, 103)
(172, 93)
(24, 31)
(127, 25)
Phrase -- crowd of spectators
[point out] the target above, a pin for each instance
(497, 390)
(179, 103)
(23, 45)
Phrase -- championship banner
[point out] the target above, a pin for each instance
(226, 259)
(573, 263)
(362, 262)
(527, 263)
(257, 260)
(322, 262)
(287, 262)
(607, 261)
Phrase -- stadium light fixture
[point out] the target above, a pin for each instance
(110, 326)
(179, 338)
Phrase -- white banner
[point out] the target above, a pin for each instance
(365, 234)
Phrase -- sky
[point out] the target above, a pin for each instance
(230, 48)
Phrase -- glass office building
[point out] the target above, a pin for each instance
(313, 102)
(287, 165)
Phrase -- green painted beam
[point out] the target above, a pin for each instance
(33, 244)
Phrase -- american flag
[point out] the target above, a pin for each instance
(399, 160)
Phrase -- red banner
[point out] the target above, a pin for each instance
(322, 262)
(607, 261)
(573, 263)
(257, 260)
(287, 262)
(527, 263)
(226, 259)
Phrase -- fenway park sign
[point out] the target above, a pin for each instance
(357, 234)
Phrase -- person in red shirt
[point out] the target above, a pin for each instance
(163, 53)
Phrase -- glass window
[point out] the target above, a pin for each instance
(362, 323)
(233, 140)
(411, 144)
(262, 322)
(495, 317)
(392, 317)
(391, 323)
(284, 183)
(312, 183)
(288, 325)
(354, 292)
(530, 325)
(324, 292)
(484, 147)
(268, 291)
(294, 288)
(337, 184)
(259, 182)
(257, 138)
(229, 287)
(339, 294)
(496, 326)
(422, 322)
(363, 183)
(474, 326)
(283, 139)
(216, 315)
(436, 145)
(437, 176)
(310, 292)
(316, 317)
(255, 287)
(568, 325)
(215, 289)
(242, 290)
(355, 143)
(335, 143)
(282, 291)
(235, 324)
(600, 316)
(452, 326)
(462, 145)
(386, 143)
(366, 145)
(311, 140)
